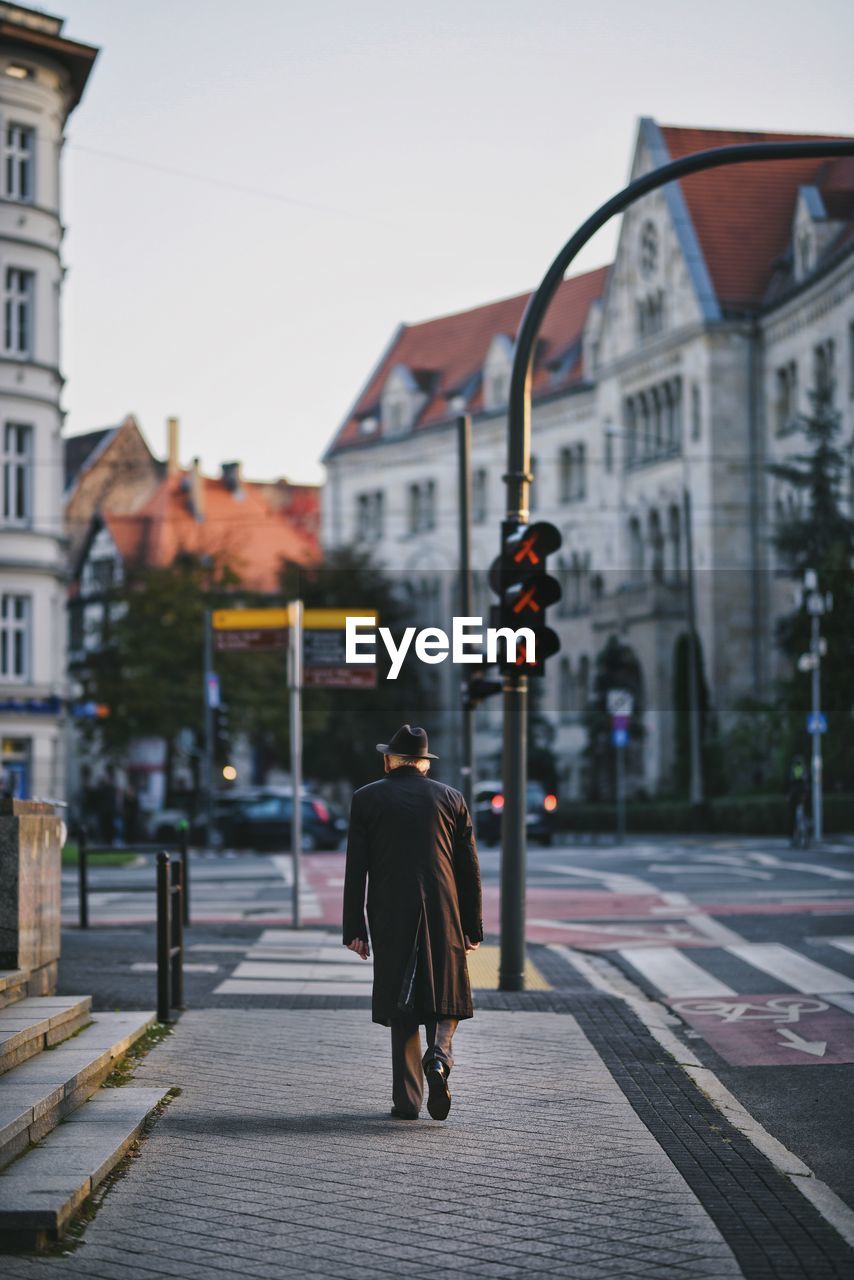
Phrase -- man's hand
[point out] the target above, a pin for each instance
(360, 947)
(470, 946)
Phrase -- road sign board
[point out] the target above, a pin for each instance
(817, 723)
(244, 640)
(325, 659)
(620, 702)
(333, 619)
(249, 619)
(620, 737)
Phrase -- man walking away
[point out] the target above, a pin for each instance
(411, 841)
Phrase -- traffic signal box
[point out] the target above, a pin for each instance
(525, 589)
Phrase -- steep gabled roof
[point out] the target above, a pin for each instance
(743, 215)
(241, 528)
(446, 355)
(80, 451)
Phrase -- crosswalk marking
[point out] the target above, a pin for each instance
(792, 968)
(672, 972)
(283, 962)
(844, 944)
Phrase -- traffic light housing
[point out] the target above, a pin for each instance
(222, 732)
(525, 589)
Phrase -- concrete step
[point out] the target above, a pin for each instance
(38, 1023)
(13, 985)
(35, 1096)
(42, 1191)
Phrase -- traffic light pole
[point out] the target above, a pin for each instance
(518, 480)
(466, 594)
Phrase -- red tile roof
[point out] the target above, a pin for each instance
(246, 531)
(743, 216)
(447, 354)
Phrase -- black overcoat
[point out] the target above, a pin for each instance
(411, 840)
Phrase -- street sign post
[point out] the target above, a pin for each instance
(620, 704)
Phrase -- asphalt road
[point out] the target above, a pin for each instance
(748, 943)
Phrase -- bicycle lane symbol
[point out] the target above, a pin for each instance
(771, 1030)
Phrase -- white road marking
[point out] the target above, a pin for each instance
(301, 972)
(308, 899)
(692, 868)
(792, 968)
(612, 881)
(815, 1047)
(713, 929)
(844, 944)
(673, 973)
(842, 1001)
(284, 987)
(149, 966)
(811, 868)
(631, 932)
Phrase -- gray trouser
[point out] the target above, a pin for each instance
(407, 1065)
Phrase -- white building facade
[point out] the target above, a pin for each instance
(42, 77)
(663, 388)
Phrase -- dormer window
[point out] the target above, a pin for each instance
(368, 426)
(497, 368)
(650, 314)
(401, 401)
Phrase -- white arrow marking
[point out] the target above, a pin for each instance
(815, 1047)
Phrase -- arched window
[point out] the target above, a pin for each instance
(581, 472)
(583, 681)
(674, 521)
(636, 555)
(658, 415)
(646, 427)
(631, 424)
(565, 693)
(656, 545)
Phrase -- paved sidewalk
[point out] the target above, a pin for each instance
(279, 1159)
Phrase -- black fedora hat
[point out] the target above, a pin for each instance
(410, 740)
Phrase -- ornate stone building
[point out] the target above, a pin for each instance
(678, 371)
(42, 78)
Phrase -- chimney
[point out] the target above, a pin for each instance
(173, 465)
(197, 491)
(232, 477)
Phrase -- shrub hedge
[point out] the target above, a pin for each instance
(761, 815)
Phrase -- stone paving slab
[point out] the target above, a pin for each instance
(279, 1158)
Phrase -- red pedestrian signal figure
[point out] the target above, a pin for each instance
(525, 590)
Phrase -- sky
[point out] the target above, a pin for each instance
(258, 193)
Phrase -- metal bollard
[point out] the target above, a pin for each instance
(83, 877)
(163, 937)
(185, 874)
(177, 934)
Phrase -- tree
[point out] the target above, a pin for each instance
(710, 747)
(818, 533)
(616, 667)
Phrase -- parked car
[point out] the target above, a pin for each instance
(165, 825)
(488, 805)
(263, 822)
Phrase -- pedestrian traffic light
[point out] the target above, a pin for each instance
(221, 730)
(518, 577)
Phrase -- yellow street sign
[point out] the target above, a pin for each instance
(333, 619)
(249, 619)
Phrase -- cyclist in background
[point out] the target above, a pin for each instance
(797, 790)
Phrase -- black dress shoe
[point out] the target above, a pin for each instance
(439, 1095)
(403, 1115)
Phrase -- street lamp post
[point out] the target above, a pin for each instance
(518, 481)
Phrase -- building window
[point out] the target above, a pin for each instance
(653, 419)
(18, 312)
(572, 470)
(650, 314)
(19, 156)
(422, 506)
(787, 396)
(823, 369)
(851, 360)
(648, 249)
(609, 448)
(370, 511)
(17, 473)
(566, 691)
(14, 638)
(636, 556)
(479, 495)
(656, 546)
(696, 411)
